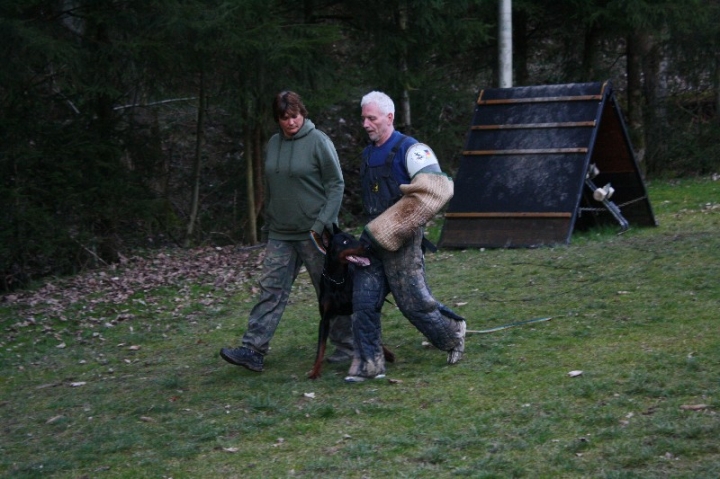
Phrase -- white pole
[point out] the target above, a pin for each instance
(505, 43)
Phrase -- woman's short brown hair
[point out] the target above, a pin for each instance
(287, 102)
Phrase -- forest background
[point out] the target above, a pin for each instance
(128, 124)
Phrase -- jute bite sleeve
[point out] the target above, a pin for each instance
(422, 199)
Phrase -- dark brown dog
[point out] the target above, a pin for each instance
(336, 286)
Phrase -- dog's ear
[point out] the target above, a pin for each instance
(319, 241)
(336, 229)
(327, 237)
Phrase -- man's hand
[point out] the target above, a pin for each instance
(366, 242)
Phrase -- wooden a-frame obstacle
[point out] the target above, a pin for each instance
(541, 161)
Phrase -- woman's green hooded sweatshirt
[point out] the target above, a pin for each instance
(303, 184)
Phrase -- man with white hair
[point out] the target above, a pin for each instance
(402, 188)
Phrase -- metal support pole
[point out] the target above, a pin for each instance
(505, 43)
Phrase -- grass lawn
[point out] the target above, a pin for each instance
(134, 387)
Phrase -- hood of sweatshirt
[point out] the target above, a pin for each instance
(304, 131)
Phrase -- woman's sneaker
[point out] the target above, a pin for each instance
(244, 357)
(362, 379)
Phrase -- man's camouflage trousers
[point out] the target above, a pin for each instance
(402, 273)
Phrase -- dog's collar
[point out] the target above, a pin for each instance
(334, 281)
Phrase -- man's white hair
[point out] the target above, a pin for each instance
(382, 101)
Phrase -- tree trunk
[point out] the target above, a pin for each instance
(655, 118)
(635, 94)
(250, 179)
(259, 167)
(199, 137)
(520, 48)
(589, 53)
(405, 118)
(717, 87)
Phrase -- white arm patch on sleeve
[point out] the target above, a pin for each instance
(418, 157)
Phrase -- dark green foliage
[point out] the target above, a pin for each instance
(71, 195)
(99, 137)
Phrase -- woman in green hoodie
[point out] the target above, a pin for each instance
(304, 189)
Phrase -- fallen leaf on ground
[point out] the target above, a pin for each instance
(693, 407)
(53, 419)
(227, 269)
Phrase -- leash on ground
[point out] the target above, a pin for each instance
(507, 326)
